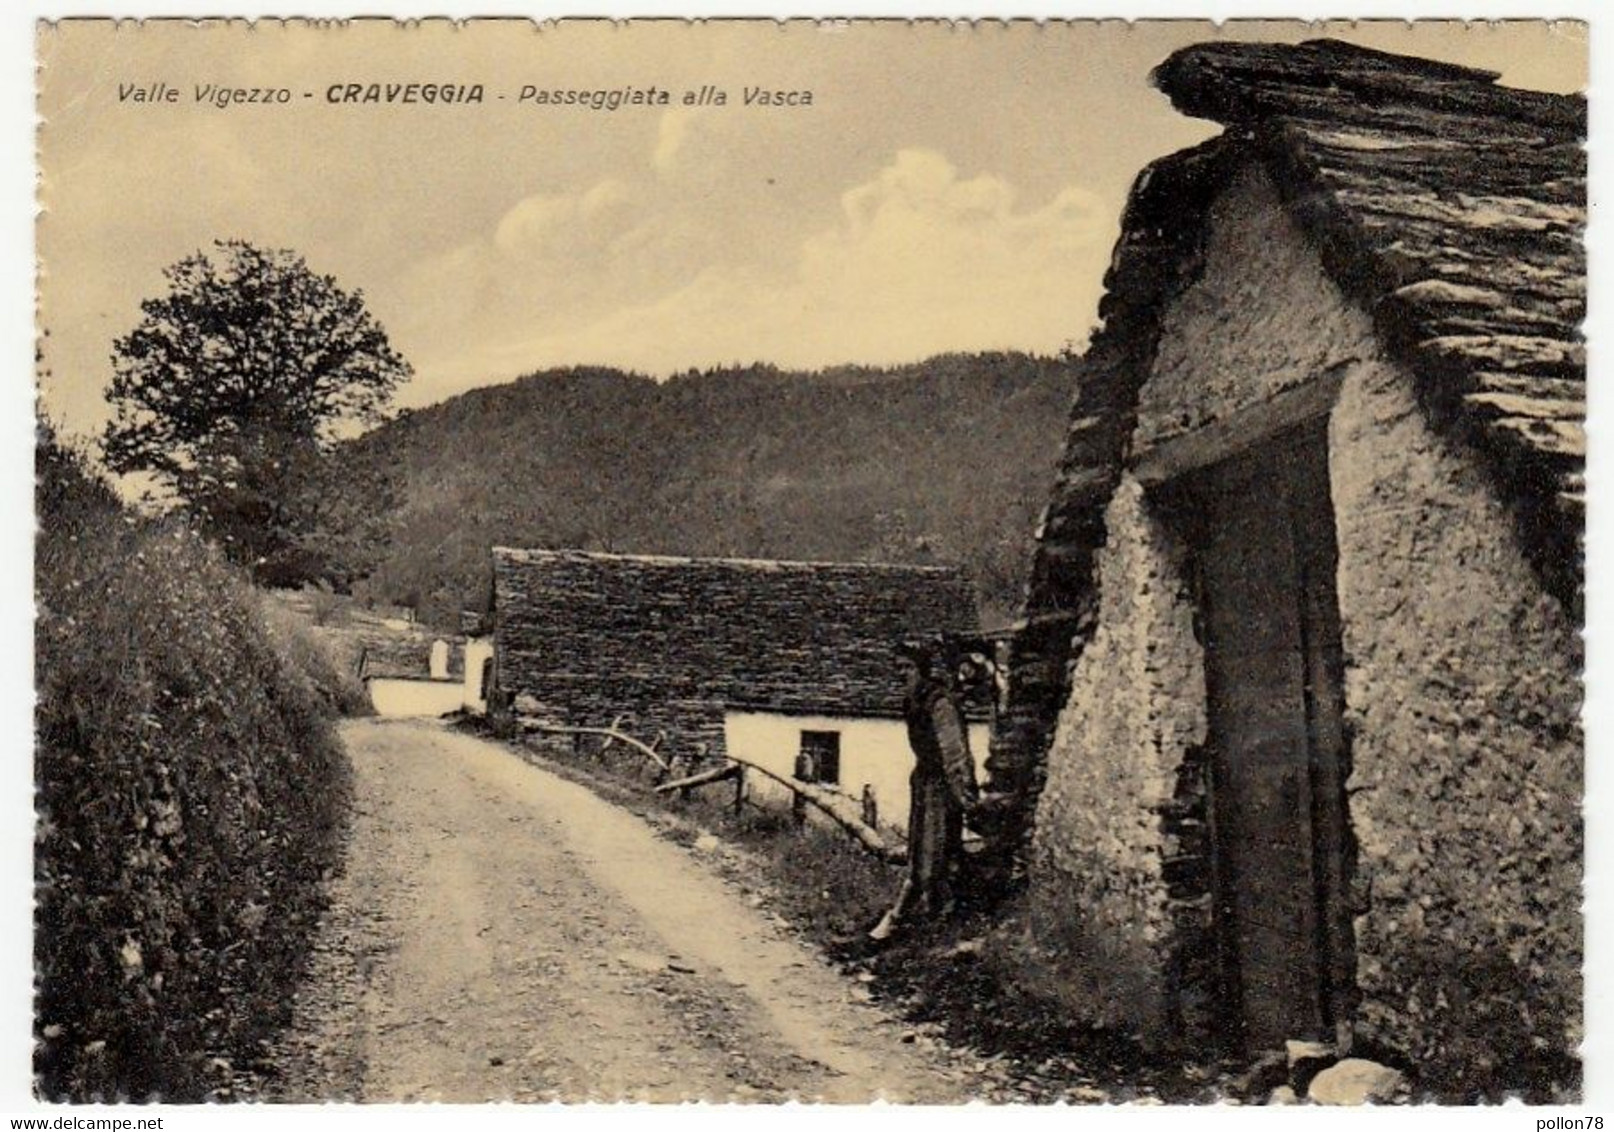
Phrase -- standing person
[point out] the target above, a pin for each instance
(941, 788)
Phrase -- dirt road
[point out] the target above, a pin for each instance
(501, 933)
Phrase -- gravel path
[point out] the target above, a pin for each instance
(501, 933)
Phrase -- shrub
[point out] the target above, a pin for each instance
(315, 657)
(191, 794)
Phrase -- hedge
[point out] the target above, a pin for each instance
(191, 795)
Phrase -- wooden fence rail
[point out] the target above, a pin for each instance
(646, 749)
(845, 812)
(836, 806)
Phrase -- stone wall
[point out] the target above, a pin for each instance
(1463, 692)
(1120, 879)
(1118, 884)
(678, 729)
(1263, 318)
(1462, 689)
(1157, 257)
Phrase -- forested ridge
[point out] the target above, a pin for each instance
(947, 460)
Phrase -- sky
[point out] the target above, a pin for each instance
(949, 187)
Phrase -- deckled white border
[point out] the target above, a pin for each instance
(17, 208)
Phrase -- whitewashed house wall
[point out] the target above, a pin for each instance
(478, 651)
(874, 752)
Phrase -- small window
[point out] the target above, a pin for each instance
(820, 757)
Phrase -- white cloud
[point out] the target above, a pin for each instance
(919, 261)
(602, 202)
(532, 222)
(697, 146)
(564, 223)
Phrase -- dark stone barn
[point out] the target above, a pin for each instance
(1298, 691)
(762, 659)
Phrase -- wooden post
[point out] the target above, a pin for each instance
(804, 773)
(739, 792)
(871, 808)
(627, 740)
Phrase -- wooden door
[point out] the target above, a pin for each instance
(1265, 557)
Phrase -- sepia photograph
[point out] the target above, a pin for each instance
(751, 561)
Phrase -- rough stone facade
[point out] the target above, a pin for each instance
(1119, 856)
(1233, 341)
(1462, 693)
(1156, 258)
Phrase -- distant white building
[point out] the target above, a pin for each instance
(413, 675)
(852, 753)
(478, 674)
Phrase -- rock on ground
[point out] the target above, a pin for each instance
(1355, 1081)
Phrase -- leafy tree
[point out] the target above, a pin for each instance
(232, 391)
(291, 511)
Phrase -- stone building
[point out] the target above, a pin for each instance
(766, 660)
(412, 674)
(1298, 688)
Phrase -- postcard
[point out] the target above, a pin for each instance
(748, 561)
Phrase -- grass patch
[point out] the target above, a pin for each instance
(317, 657)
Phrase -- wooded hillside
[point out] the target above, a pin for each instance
(948, 460)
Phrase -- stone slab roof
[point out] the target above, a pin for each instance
(1450, 207)
(1454, 209)
(588, 633)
